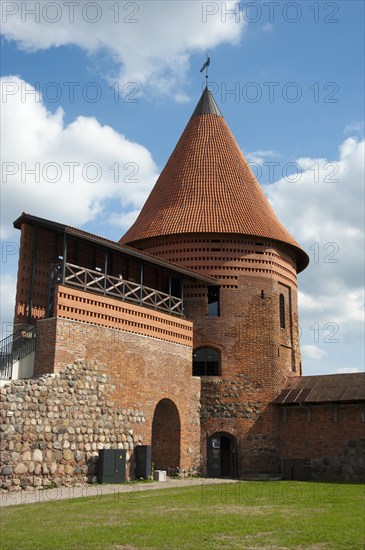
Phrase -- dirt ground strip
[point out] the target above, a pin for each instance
(95, 490)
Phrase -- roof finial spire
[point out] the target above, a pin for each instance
(205, 66)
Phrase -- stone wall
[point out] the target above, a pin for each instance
(144, 371)
(348, 464)
(53, 427)
(330, 437)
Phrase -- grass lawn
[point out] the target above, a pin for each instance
(266, 515)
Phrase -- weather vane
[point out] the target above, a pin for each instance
(205, 66)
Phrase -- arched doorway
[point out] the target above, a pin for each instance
(222, 450)
(166, 436)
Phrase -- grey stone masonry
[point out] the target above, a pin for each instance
(347, 466)
(53, 427)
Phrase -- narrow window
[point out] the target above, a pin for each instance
(213, 301)
(206, 362)
(282, 310)
(176, 285)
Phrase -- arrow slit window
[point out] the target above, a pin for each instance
(282, 310)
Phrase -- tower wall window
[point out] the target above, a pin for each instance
(282, 310)
(206, 362)
(213, 301)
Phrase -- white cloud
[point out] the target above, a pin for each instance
(309, 303)
(310, 351)
(150, 42)
(123, 220)
(124, 171)
(324, 211)
(38, 139)
(355, 128)
(327, 197)
(259, 157)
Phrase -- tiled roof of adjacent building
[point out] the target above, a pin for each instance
(207, 186)
(323, 388)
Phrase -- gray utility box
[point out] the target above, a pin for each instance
(112, 466)
(142, 455)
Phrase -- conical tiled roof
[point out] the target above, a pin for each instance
(207, 186)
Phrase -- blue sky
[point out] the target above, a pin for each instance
(288, 77)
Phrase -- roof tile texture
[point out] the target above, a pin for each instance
(323, 388)
(207, 186)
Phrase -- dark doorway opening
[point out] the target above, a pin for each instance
(166, 437)
(222, 451)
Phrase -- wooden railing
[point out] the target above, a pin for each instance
(108, 285)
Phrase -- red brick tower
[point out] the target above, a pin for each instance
(207, 212)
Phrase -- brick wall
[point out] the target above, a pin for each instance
(43, 245)
(331, 437)
(144, 371)
(226, 256)
(257, 355)
(78, 305)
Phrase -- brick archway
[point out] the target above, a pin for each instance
(166, 430)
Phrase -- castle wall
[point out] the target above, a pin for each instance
(328, 438)
(101, 391)
(98, 310)
(53, 427)
(254, 367)
(225, 256)
(78, 305)
(257, 354)
(143, 370)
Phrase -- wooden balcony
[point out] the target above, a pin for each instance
(91, 280)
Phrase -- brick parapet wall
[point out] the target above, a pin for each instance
(78, 305)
